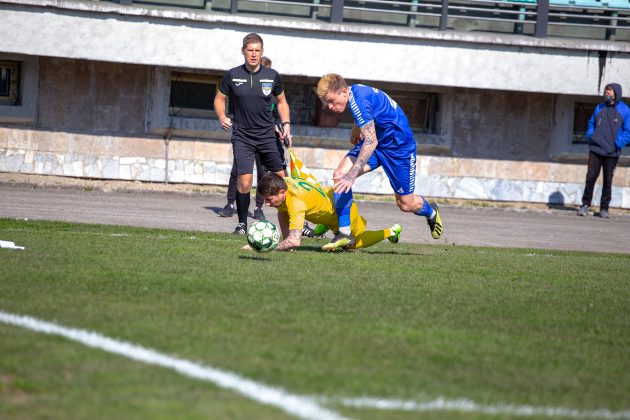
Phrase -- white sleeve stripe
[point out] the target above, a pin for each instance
(356, 112)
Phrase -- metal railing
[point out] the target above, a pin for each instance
(594, 19)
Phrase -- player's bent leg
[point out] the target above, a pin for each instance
(372, 237)
(369, 238)
(430, 211)
(409, 203)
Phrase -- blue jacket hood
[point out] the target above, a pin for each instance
(617, 88)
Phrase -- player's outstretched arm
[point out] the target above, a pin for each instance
(368, 132)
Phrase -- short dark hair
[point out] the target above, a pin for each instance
(265, 61)
(271, 184)
(252, 39)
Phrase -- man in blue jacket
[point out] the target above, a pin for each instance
(608, 131)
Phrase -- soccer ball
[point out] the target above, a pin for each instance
(263, 236)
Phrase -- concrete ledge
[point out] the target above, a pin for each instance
(318, 26)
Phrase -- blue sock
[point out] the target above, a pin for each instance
(426, 209)
(343, 203)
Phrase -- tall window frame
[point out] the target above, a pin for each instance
(582, 111)
(10, 82)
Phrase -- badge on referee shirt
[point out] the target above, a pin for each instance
(267, 85)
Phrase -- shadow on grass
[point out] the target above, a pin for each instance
(318, 249)
(257, 257)
(394, 253)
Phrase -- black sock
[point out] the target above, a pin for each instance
(242, 206)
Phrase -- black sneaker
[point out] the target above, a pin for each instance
(227, 211)
(241, 229)
(258, 214)
(340, 241)
(307, 231)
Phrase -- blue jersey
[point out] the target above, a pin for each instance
(370, 104)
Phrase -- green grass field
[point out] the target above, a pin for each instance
(398, 322)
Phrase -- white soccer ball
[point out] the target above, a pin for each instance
(263, 236)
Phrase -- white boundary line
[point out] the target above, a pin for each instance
(303, 407)
(443, 404)
(293, 404)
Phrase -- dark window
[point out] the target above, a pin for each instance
(581, 115)
(9, 82)
(192, 95)
(420, 109)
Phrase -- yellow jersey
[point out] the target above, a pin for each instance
(306, 201)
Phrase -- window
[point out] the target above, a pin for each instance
(192, 95)
(420, 109)
(582, 113)
(9, 83)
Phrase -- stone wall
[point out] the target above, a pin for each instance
(502, 125)
(209, 162)
(91, 97)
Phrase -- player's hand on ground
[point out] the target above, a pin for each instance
(246, 247)
(343, 184)
(226, 123)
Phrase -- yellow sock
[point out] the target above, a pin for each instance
(371, 237)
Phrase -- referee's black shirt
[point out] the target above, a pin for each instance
(252, 94)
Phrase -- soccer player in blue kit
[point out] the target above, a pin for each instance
(381, 137)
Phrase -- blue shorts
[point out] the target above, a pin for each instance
(398, 163)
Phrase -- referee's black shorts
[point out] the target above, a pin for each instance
(269, 150)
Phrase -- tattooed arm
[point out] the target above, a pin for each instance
(344, 183)
(292, 241)
(292, 238)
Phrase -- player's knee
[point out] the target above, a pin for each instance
(244, 187)
(405, 206)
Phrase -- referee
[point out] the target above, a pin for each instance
(251, 87)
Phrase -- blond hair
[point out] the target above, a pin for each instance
(330, 82)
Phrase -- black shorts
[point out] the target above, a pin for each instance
(270, 152)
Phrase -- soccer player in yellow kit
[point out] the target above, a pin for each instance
(298, 199)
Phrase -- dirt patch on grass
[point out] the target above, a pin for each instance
(11, 392)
